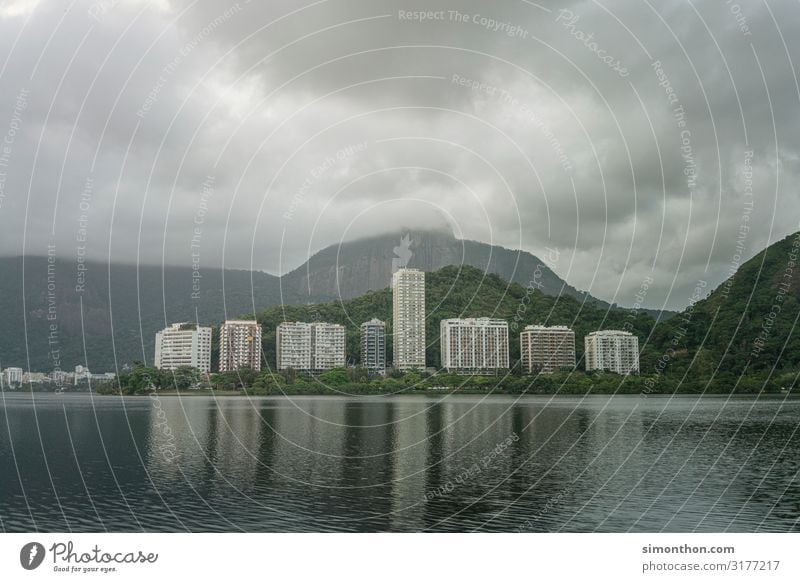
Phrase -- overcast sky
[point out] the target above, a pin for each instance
(263, 132)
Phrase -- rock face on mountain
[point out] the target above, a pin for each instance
(113, 319)
(354, 268)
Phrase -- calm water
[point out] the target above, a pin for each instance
(83, 463)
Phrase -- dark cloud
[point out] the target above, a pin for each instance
(278, 128)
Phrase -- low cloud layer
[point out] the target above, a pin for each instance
(641, 140)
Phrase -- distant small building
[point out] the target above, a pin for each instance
(373, 346)
(82, 374)
(474, 346)
(546, 349)
(612, 351)
(239, 345)
(183, 344)
(12, 376)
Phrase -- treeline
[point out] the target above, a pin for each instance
(346, 381)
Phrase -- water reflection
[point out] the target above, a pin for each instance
(400, 464)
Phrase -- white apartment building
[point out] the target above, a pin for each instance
(408, 319)
(310, 347)
(373, 346)
(546, 349)
(183, 344)
(327, 346)
(12, 376)
(239, 345)
(474, 346)
(293, 345)
(612, 351)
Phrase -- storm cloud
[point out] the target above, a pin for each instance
(640, 140)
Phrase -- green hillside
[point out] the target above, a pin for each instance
(748, 325)
(460, 292)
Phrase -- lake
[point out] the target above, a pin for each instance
(459, 463)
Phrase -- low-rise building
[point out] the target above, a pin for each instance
(183, 344)
(310, 347)
(327, 346)
(546, 349)
(12, 376)
(612, 351)
(474, 346)
(239, 345)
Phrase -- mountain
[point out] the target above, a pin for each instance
(460, 292)
(354, 268)
(135, 302)
(749, 323)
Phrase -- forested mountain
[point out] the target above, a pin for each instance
(112, 320)
(460, 292)
(749, 323)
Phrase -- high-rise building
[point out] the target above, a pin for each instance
(239, 345)
(373, 346)
(328, 346)
(310, 347)
(293, 345)
(474, 346)
(183, 344)
(612, 351)
(408, 319)
(546, 349)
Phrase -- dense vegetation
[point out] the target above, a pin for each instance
(741, 338)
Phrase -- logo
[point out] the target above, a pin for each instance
(31, 555)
